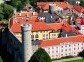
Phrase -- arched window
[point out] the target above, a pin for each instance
(36, 36)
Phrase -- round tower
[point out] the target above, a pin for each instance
(26, 42)
(52, 8)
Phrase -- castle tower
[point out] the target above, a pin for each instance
(26, 42)
(52, 8)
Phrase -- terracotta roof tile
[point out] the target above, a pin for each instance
(45, 5)
(57, 41)
(55, 26)
(79, 8)
(36, 26)
(64, 5)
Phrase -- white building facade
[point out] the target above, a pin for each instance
(64, 49)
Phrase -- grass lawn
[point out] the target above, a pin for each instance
(81, 60)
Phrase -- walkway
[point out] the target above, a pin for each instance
(70, 59)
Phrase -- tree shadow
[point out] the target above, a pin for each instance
(81, 54)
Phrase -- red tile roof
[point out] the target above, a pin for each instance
(57, 41)
(64, 5)
(45, 5)
(79, 8)
(55, 26)
(16, 27)
(39, 26)
(36, 26)
(80, 20)
(67, 28)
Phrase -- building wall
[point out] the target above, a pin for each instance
(64, 49)
(42, 35)
(54, 35)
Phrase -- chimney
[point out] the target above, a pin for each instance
(26, 42)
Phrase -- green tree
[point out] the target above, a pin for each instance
(1, 17)
(7, 11)
(1, 13)
(82, 3)
(27, 1)
(20, 5)
(40, 56)
(14, 3)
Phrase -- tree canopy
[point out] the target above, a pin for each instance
(6, 11)
(82, 3)
(40, 56)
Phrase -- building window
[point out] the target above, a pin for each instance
(46, 37)
(32, 36)
(82, 44)
(74, 53)
(56, 51)
(36, 36)
(52, 51)
(69, 49)
(69, 45)
(69, 53)
(48, 48)
(61, 54)
(74, 45)
(54, 34)
(52, 47)
(74, 48)
(65, 45)
(65, 49)
(62, 50)
(48, 52)
(46, 34)
(56, 55)
(81, 47)
(61, 46)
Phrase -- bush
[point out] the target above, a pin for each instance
(40, 56)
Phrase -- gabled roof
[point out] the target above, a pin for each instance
(58, 41)
(79, 8)
(36, 26)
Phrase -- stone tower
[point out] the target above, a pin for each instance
(26, 42)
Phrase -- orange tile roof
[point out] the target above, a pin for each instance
(79, 8)
(57, 41)
(55, 26)
(45, 5)
(36, 26)
(67, 28)
(64, 5)
(16, 27)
